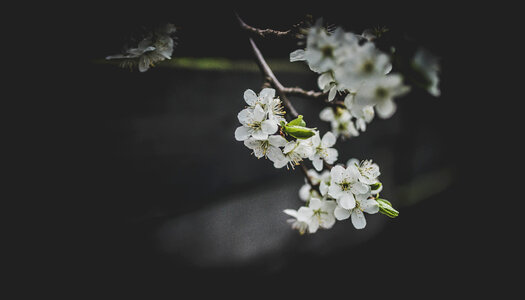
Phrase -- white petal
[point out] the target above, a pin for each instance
(358, 219)
(337, 173)
(332, 93)
(334, 190)
(289, 146)
(304, 214)
(332, 155)
(324, 80)
(315, 204)
(313, 226)
(347, 201)
(242, 133)
(341, 213)
(258, 113)
(291, 212)
(370, 206)
(245, 116)
(297, 55)
(274, 154)
(386, 108)
(327, 114)
(144, 63)
(259, 135)
(304, 192)
(267, 94)
(269, 126)
(328, 139)
(317, 162)
(280, 163)
(352, 162)
(277, 141)
(250, 97)
(252, 143)
(323, 188)
(360, 188)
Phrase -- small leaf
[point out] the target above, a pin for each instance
(297, 121)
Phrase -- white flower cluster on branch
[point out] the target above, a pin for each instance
(351, 66)
(265, 131)
(346, 191)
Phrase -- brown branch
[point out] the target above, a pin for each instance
(297, 91)
(267, 72)
(266, 32)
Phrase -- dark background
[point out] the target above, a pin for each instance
(163, 200)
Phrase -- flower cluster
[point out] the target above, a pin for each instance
(155, 47)
(341, 193)
(350, 65)
(265, 131)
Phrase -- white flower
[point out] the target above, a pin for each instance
(266, 99)
(318, 213)
(321, 48)
(306, 192)
(368, 172)
(322, 150)
(267, 148)
(155, 47)
(362, 204)
(340, 121)
(255, 124)
(366, 62)
(294, 152)
(345, 184)
(299, 216)
(324, 182)
(380, 92)
(428, 65)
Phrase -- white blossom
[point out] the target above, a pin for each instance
(266, 99)
(362, 204)
(380, 92)
(340, 122)
(269, 148)
(368, 172)
(365, 63)
(255, 124)
(321, 48)
(428, 65)
(155, 47)
(324, 182)
(344, 185)
(294, 152)
(318, 213)
(323, 150)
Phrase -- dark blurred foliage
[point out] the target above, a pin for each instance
(120, 186)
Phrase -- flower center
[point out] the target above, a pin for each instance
(327, 51)
(345, 186)
(368, 67)
(381, 92)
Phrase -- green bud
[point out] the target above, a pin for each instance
(297, 121)
(385, 207)
(299, 132)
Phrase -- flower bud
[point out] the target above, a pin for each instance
(385, 207)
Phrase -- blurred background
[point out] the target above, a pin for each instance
(171, 202)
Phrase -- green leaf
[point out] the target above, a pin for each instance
(297, 121)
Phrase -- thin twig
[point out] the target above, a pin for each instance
(297, 91)
(264, 32)
(265, 69)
